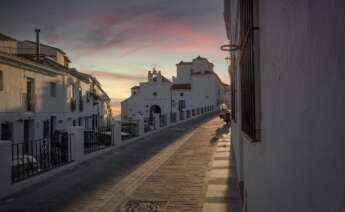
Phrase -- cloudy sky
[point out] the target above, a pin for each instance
(118, 41)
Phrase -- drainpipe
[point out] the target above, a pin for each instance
(38, 50)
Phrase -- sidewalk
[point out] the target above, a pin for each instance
(166, 171)
(222, 192)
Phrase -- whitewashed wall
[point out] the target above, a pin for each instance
(13, 108)
(141, 102)
(299, 164)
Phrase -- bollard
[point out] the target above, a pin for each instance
(116, 133)
(141, 126)
(77, 142)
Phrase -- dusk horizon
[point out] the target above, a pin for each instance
(119, 41)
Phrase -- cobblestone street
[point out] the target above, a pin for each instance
(167, 171)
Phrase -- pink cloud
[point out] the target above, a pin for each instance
(150, 30)
(115, 76)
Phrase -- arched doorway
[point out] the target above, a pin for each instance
(155, 109)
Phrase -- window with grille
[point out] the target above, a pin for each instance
(6, 131)
(181, 105)
(248, 69)
(233, 89)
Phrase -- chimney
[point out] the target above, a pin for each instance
(38, 50)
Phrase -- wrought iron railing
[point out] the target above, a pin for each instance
(129, 130)
(97, 139)
(36, 156)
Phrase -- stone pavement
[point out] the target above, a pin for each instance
(162, 172)
(222, 192)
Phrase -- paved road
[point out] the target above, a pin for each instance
(165, 171)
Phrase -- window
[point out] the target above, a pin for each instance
(81, 102)
(182, 94)
(88, 97)
(248, 83)
(30, 94)
(53, 89)
(181, 105)
(6, 131)
(1, 81)
(233, 87)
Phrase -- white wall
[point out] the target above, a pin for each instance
(206, 90)
(299, 164)
(141, 102)
(12, 104)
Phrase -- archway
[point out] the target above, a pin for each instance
(154, 109)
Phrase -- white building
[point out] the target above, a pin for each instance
(147, 98)
(287, 77)
(195, 90)
(39, 97)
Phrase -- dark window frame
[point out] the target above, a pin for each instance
(249, 83)
(233, 76)
(7, 131)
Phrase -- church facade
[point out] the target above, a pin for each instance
(195, 90)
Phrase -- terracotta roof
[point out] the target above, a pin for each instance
(181, 86)
(7, 38)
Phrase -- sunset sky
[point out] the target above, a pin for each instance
(118, 41)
